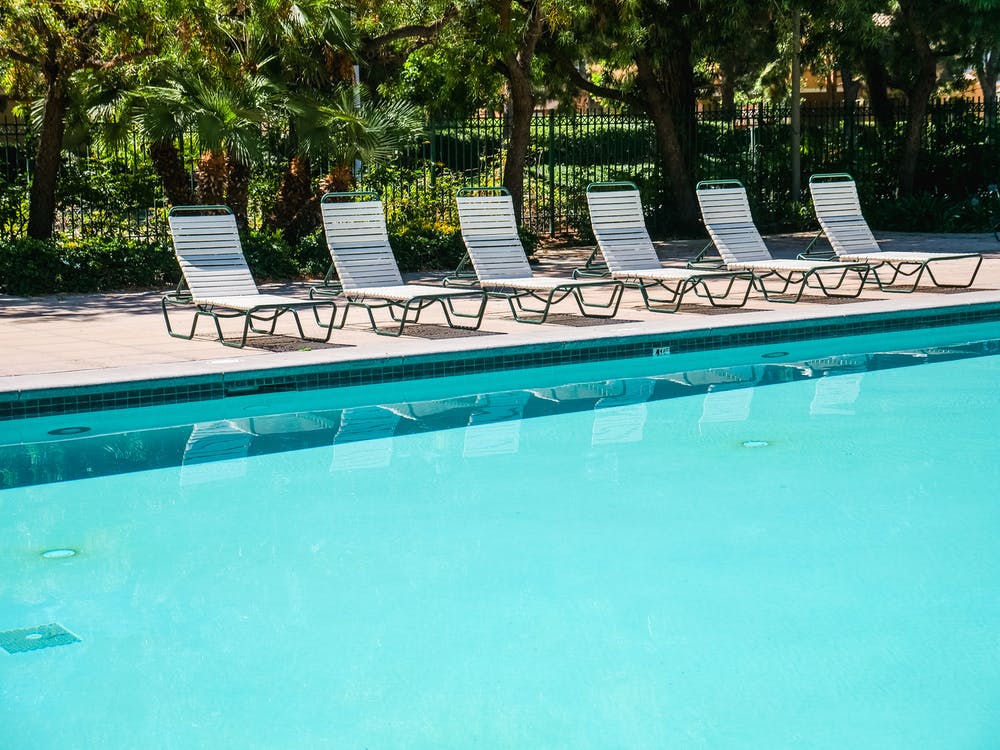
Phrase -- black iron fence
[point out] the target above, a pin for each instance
(115, 191)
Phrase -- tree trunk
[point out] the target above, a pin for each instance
(522, 107)
(238, 192)
(211, 178)
(851, 86)
(170, 167)
(517, 69)
(296, 209)
(918, 95)
(727, 91)
(877, 80)
(987, 73)
(42, 197)
(670, 119)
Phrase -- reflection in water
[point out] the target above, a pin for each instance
(728, 393)
(836, 395)
(620, 418)
(495, 424)
(362, 436)
(209, 445)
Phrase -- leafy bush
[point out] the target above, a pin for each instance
(919, 213)
(430, 246)
(271, 258)
(92, 265)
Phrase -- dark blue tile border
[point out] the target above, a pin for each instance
(28, 404)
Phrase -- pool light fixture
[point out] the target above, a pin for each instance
(69, 431)
(60, 553)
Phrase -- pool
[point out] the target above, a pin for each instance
(787, 546)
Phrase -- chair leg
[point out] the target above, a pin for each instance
(972, 275)
(659, 304)
(617, 290)
(702, 282)
(451, 311)
(170, 328)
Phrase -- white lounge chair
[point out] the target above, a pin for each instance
(219, 283)
(838, 209)
(356, 234)
(489, 230)
(620, 230)
(726, 211)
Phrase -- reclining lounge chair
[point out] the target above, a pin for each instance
(489, 230)
(218, 281)
(620, 230)
(369, 276)
(726, 212)
(835, 199)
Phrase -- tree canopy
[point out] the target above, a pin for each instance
(239, 71)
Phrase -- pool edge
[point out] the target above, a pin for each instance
(30, 403)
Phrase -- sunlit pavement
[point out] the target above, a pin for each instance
(70, 340)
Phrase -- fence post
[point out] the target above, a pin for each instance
(431, 135)
(552, 173)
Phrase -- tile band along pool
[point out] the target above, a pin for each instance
(30, 404)
(79, 452)
(807, 564)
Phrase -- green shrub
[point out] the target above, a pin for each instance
(918, 213)
(271, 258)
(91, 265)
(429, 246)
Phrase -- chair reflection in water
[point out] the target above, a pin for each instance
(494, 426)
(621, 418)
(729, 392)
(364, 439)
(215, 451)
(838, 384)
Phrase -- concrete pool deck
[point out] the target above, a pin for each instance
(84, 340)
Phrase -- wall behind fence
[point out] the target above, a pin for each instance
(107, 191)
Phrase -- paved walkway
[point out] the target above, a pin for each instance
(70, 340)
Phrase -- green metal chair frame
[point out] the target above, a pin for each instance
(217, 282)
(369, 276)
(502, 267)
(838, 210)
(741, 247)
(628, 252)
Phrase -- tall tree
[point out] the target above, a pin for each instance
(917, 35)
(485, 56)
(654, 42)
(46, 44)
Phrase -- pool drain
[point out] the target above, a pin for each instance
(33, 639)
(755, 443)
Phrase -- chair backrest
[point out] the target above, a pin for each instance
(838, 209)
(489, 231)
(619, 227)
(208, 250)
(359, 241)
(726, 211)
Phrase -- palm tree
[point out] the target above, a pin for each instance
(340, 130)
(227, 118)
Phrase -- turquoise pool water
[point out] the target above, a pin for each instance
(781, 550)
